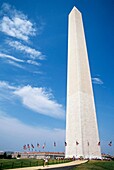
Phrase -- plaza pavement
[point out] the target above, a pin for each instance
(73, 163)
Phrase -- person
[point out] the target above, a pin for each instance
(46, 161)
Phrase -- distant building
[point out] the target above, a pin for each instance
(1, 152)
(39, 155)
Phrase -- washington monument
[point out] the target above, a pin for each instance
(82, 138)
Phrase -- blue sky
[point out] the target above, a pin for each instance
(33, 65)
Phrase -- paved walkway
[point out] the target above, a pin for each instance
(73, 163)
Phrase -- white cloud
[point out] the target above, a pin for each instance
(37, 99)
(14, 134)
(16, 64)
(6, 91)
(40, 100)
(97, 80)
(2, 55)
(32, 52)
(13, 61)
(15, 24)
(33, 62)
(6, 7)
(5, 85)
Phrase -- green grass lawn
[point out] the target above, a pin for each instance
(91, 165)
(17, 163)
(96, 165)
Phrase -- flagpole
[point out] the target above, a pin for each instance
(77, 143)
(76, 151)
(53, 153)
(88, 150)
(110, 144)
(54, 148)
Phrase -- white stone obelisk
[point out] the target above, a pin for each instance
(81, 124)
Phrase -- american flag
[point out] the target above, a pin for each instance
(110, 144)
(44, 145)
(32, 145)
(77, 143)
(54, 143)
(99, 143)
(24, 147)
(65, 144)
(28, 146)
(38, 145)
